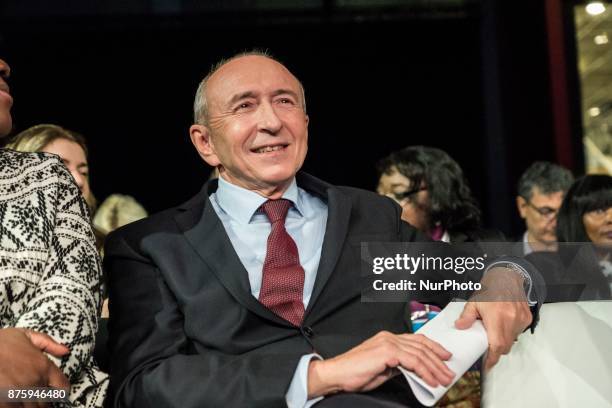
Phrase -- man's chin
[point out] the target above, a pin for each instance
(545, 245)
(281, 183)
(277, 178)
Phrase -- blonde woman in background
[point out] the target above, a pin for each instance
(67, 144)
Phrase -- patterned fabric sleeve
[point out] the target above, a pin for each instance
(67, 298)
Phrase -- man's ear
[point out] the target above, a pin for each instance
(201, 139)
(521, 204)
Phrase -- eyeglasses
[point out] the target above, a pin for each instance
(545, 211)
(407, 195)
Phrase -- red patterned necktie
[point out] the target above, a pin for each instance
(283, 276)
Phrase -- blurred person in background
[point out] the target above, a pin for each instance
(49, 275)
(436, 198)
(540, 192)
(586, 216)
(433, 193)
(116, 211)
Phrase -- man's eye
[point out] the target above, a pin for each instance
(286, 101)
(244, 105)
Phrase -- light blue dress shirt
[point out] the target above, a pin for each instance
(248, 230)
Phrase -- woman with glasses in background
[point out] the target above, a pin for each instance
(434, 194)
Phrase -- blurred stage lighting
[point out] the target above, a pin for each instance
(601, 39)
(594, 8)
(594, 111)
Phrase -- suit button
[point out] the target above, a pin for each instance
(308, 332)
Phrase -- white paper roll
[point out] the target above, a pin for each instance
(466, 346)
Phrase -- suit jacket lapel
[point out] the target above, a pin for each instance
(338, 217)
(204, 231)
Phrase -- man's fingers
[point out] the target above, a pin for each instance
(498, 345)
(413, 363)
(468, 316)
(491, 360)
(435, 366)
(421, 359)
(416, 347)
(45, 343)
(434, 346)
(439, 366)
(505, 346)
(501, 337)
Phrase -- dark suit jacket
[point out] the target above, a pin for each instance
(478, 235)
(185, 330)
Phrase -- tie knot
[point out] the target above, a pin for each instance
(276, 210)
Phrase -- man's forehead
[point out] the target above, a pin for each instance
(250, 73)
(538, 195)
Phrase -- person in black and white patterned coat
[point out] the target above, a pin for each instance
(49, 274)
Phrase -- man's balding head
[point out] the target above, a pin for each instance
(200, 104)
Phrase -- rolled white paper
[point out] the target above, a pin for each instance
(466, 346)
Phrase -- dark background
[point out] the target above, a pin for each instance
(470, 77)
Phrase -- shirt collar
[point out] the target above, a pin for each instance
(526, 246)
(240, 203)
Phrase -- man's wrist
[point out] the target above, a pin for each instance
(522, 277)
(517, 274)
(320, 383)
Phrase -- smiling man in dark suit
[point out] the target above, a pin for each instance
(248, 295)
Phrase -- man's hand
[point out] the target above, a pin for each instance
(504, 320)
(23, 363)
(374, 361)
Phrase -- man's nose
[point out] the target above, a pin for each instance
(553, 221)
(268, 120)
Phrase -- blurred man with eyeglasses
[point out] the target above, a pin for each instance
(540, 192)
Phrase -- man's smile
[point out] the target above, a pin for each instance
(269, 148)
